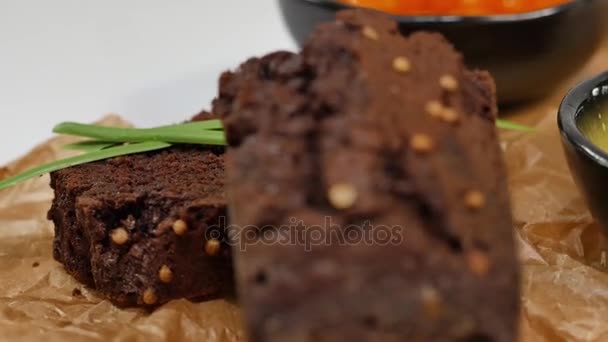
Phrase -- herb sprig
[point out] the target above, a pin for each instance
(508, 125)
(82, 159)
(109, 142)
(202, 132)
(89, 146)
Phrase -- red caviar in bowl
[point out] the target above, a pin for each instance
(455, 7)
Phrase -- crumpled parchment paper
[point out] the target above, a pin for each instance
(561, 248)
(562, 251)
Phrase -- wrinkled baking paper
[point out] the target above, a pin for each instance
(563, 253)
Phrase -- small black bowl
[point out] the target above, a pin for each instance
(528, 54)
(588, 163)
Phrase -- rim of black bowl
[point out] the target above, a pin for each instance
(499, 18)
(571, 107)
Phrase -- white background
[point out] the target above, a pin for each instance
(152, 61)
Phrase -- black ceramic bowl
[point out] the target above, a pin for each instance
(528, 54)
(588, 163)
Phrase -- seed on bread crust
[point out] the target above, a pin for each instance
(434, 108)
(478, 262)
(431, 302)
(449, 115)
(212, 247)
(180, 227)
(402, 64)
(475, 200)
(149, 297)
(448, 82)
(119, 236)
(421, 143)
(342, 196)
(370, 33)
(165, 274)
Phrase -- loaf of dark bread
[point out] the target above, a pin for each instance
(368, 133)
(144, 229)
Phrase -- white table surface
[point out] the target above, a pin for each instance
(152, 61)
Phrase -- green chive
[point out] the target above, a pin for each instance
(513, 126)
(214, 124)
(83, 159)
(201, 133)
(89, 146)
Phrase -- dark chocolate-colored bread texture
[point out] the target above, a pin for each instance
(374, 132)
(145, 229)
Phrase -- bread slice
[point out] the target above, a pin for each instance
(366, 180)
(144, 229)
